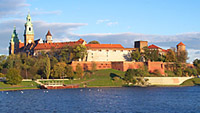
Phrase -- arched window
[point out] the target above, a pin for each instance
(29, 28)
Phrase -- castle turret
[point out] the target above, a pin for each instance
(28, 32)
(14, 42)
(180, 47)
(49, 37)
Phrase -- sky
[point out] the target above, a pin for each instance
(161, 22)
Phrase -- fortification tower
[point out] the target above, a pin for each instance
(28, 32)
(14, 42)
(180, 47)
(48, 37)
(140, 45)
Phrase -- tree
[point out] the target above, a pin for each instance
(94, 67)
(79, 52)
(69, 71)
(13, 76)
(94, 42)
(79, 71)
(135, 55)
(129, 75)
(154, 55)
(47, 67)
(170, 56)
(182, 56)
(59, 70)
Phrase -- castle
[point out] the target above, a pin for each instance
(104, 55)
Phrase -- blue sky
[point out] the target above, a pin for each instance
(161, 22)
(164, 17)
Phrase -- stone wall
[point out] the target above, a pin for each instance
(167, 80)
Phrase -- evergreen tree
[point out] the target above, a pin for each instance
(47, 67)
(79, 71)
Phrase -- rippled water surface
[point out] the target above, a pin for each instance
(122, 100)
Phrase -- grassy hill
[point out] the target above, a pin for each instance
(191, 82)
(100, 78)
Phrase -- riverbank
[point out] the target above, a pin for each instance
(24, 85)
(104, 78)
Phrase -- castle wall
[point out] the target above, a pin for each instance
(121, 66)
(108, 55)
(152, 66)
(88, 65)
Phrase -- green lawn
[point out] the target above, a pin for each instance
(22, 85)
(100, 78)
(191, 82)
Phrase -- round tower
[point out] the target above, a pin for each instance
(180, 47)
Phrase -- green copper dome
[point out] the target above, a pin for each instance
(14, 37)
(28, 25)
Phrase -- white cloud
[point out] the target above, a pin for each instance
(12, 7)
(102, 21)
(112, 23)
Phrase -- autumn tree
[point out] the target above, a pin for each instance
(182, 56)
(170, 56)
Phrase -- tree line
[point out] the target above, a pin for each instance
(52, 64)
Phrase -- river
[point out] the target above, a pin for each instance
(108, 100)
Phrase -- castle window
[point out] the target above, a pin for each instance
(121, 50)
(29, 19)
(29, 28)
(107, 50)
(114, 50)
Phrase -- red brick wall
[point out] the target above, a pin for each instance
(88, 65)
(133, 65)
(122, 66)
(118, 65)
(152, 66)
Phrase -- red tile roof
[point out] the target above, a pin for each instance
(153, 47)
(181, 44)
(104, 46)
(57, 45)
(163, 50)
(21, 44)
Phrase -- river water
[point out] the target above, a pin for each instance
(110, 100)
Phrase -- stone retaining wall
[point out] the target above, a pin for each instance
(167, 80)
